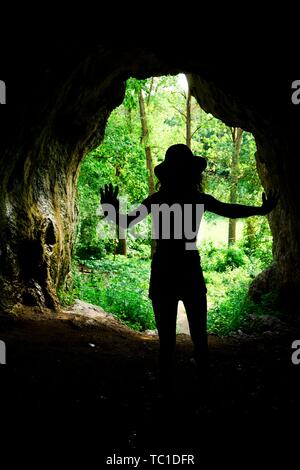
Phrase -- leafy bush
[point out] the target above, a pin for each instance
(231, 308)
(257, 240)
(227, 312)
(139, 248)
(71, 291)
(221, 259)
(120, 286)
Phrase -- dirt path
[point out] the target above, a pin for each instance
(182, 322)
(86, 384)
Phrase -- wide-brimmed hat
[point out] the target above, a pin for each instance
(180, 161)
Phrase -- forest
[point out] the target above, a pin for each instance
(114, 273)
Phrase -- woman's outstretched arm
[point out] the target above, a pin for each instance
(111, 208)
(236, 211)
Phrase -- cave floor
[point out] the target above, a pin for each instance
(90, 389)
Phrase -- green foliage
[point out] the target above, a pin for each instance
(119, 160)
(222, 259)
(230, 292)
(120, 285)
(234, 309)
(139, 248)
(68, 294)
(257, 240)
(228, 274)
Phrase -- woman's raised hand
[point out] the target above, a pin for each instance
(269, 201)
(108, 195)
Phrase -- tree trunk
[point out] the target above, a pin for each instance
(121, 246)
(237, 135)
(128, 112)
(188, 120)
(149, 162)
(145, 141)
(250, 229)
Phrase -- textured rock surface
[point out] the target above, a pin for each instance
(57, 113)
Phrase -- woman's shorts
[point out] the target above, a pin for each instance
(178, 276)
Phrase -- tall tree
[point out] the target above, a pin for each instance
(237, 136)
(188, 113)
(188, 118)
(120, 245)
(146, 142)
(147, 147)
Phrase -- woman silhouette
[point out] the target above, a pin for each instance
(176, 272)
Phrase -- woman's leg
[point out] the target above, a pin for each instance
(165, 311)
(196, 310)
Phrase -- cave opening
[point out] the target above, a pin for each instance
(164, 106)
(63, 117)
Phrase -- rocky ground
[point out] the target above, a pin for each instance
(82, 385)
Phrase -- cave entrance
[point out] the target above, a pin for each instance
(114, 274)
(63, 117)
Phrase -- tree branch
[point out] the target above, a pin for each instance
(150, 91)
(193, 133)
